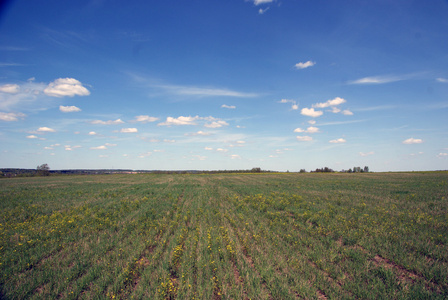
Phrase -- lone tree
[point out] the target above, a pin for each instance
(43, 170)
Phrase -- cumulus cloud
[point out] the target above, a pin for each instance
(92, 133)
(312, 122)
(412, 141)
(110, 122)
(10, 117)
(310, 129)
(440, 79)
(102, 147)
(304, 138)
(347, 112)
(179, 121)
(31, 136)
(294, 105)
(310, 112)
(333, 102)
(67, 109)
(304, 65)
(145, 119)
(216, 124)
(10, 88)
(338, 141)
(442, 154)
(228, 106)
(208, 148)
(66, 87)
(235, 156)
(222, 150)
(128, 130)
(45, 129)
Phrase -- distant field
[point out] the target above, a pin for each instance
(225, 236)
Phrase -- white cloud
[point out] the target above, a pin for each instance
(48, 148)
(228, 106)
(304, 138)
(338, 141)
(304, 65)
(366, 154)
(10, 88)
(312, 122)
(45, 129)
(128, 130)
(110, 122)
(333, 102)
(63, 87)
(335, 110)
(145, 119)
(204, 92)
(310, 129)
(198, 133)
(102, 147)
(222, 150)
(70, 148)
(347, 112)
(146, 154)
(92, 133)
(208, 148)
(10, 117)
(294, 105)
(442, 154)
(262, 11)
(67, 109)
(444, 80)
(381, 79)
(235, 156)
(216, 124)
(310, 112)
(412, 141)
(169, 141)
(258, 2)
(31, 137)
(110, 145)
(179, 121)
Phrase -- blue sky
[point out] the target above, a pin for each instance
(209, 84)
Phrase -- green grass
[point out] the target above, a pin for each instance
(225, 236)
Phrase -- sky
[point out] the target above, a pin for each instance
(282, 85)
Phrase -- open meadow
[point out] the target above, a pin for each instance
(225, 236)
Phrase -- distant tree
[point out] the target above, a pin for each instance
(366, 169)
(256, 170)
(43, 170)
(302, 171)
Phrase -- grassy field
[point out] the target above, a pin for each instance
(225, 236)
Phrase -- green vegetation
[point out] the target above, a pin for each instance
(225, 236)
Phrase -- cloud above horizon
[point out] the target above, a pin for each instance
(412, 141)
(66, 87)
(67, 109)
(310, 112)
(304, 65)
